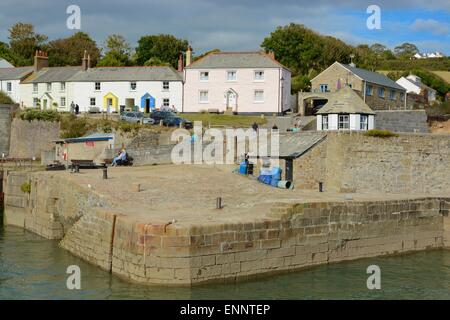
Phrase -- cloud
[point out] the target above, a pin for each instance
(431, 26)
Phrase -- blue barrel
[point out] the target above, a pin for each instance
(243, 168)
(276, 176)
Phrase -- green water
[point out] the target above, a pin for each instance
(34, 268)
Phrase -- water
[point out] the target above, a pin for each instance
(34, 268)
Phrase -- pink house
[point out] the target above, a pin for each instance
(238, 82)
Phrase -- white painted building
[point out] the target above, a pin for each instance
(10, 79)
(345, 111)
(238, 82)
(413, 84)
(145, 88)
(105, 88)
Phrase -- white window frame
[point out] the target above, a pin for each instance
(62, 86)
(35, 88)
(99, 86)
(259, 78)
(200, 96)
(203, 77)
(166, 85)
(324, 87)
(9, 86)
(383, 91)
(365, 123)
(166, 104)
(228, 75)
(35, 102)
(62, 99)
(92, 99)
(255, 97)
(131, 86)
(369, 90)
(325, 123)
(345, 123)
(392, 94)
(49, 87)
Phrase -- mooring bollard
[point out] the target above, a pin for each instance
(320, 186)
(105, 173)
(219, 203)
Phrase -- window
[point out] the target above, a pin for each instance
(166, 102)
(363, 122)
(344, 122)
(231, 76)
(35, 102)
(35, 87)
(369, 90)
(133, 86)
(325, 122)
(323, 88)
(204, 97)
(259, 96)
(204, 76)
(97, 86)
(63, 102)
(92, 102)
(259, 75)
(9, 86)
(402, 96)
(381, 92)
(392, 94)
(166, 85)
(63, 86)
(49, 86)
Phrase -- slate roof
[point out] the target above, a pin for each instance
(53, 74)
(221, 60)
(346, 100)
(373, 77)
(155, 73)
(293, 145)
(419, 84)
(15, 73)
(5, 64)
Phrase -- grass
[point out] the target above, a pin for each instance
(443, 74)
(380, 133)
(225, 120)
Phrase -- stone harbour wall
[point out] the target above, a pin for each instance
(402, 121)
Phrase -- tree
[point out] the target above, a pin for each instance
(302, 49)
(118, 52)
(5, 53)
(154, 61)
(70, 51)
(366, 58)
(406, 50)
(206, 53)
(165, 47)
(378, 48)
(24, 41)
(5, 99)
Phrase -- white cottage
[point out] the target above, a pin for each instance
(10, 79)
(414, 84)
(345, 111)
(238, 82)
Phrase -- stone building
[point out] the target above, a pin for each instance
(345, 111)
(377, 90)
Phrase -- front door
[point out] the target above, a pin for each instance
(44, 104)
(147, 105)
(231, 100)
(109, 103)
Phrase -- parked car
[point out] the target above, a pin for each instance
(175, 121)
(161, 115)
(136, 117)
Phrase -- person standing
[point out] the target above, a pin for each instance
(255, 126)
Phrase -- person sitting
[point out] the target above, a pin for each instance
(121, 157)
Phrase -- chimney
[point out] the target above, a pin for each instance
(84, 62)
(40, 60)
(89, 61)
(180, 63)
(188, 56)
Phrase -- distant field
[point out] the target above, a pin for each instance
(225, 120)
(443, 74)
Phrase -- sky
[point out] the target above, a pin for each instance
(238, 25)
